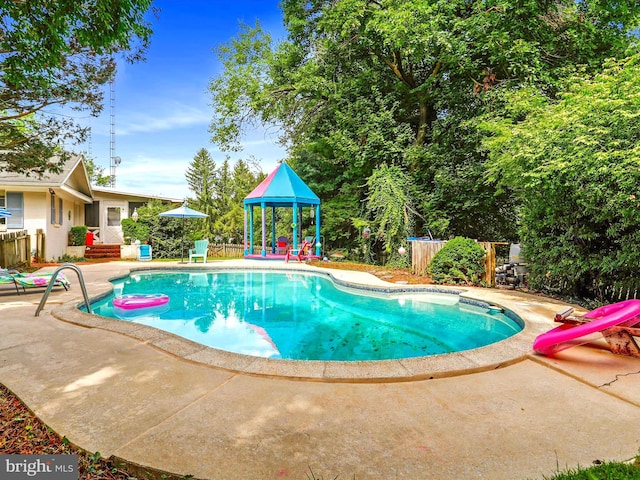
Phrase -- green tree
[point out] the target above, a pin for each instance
(233, 187)
(201, 177)
(359, 83)
(575, 166)
(96, 173)
(223, 201)
(391, 207)
(59, 52)
(219, 192)
(164, 233)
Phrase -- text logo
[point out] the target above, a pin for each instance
(39, 467)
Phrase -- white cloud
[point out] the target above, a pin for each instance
(178, 116)
(162, 176)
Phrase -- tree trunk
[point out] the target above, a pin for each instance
(425, 120)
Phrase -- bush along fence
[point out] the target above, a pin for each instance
(423, 251)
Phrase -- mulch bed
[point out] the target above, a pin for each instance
(22, 433)
(392, 275)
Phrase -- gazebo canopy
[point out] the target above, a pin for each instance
(282, 187)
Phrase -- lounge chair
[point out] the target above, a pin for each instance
(7, 278)
(144, 253)
(202, 247)
(31, 280)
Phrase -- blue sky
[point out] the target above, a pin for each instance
(163, 110)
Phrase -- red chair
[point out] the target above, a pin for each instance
(303, 251)
(282, 245)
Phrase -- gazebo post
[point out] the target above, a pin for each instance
(294, 226)
(273, 229)
(263, 211)
(246, 247)
(317, 230)
(251, 230)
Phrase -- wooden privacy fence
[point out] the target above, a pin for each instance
(15, 249)
(422, 253)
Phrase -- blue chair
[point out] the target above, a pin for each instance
(144, 253)
(202, 247)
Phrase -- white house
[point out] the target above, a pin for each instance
(48, 207)
(110, 207)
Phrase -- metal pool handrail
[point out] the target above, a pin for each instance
(53, 279)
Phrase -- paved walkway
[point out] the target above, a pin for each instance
(130, 398)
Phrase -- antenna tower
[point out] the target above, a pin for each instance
(115, 161)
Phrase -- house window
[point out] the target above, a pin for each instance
(53, 209)
(3, 221)
(135, 206)
(113, 216)
(56, 209)
(92, 214)
(12, 201)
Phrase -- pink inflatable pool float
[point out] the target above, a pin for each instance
(135, 301)
(565, 336)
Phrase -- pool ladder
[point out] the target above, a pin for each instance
(70, 266)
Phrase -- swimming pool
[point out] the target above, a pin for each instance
(307, 316)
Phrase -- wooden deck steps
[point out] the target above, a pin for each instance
(102, 251)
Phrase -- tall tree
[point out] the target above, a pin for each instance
(202, 178)
(233, 187)
(59, 52)
(96, 173)
(391, 205)
(224, 191)
(365, 82)
(575, 165)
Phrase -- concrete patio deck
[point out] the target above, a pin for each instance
(159, 401)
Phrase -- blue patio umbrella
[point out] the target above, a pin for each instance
(4, 213)
(183, 212)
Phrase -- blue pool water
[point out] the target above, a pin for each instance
(305, 316)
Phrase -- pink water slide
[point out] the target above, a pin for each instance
(625, 313)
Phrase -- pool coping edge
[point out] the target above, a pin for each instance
(506, 352)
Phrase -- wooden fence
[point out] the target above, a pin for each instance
(15, 249)
(229, 250)
(40, 254)
(422, 253)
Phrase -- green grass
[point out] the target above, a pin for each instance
(603, 471)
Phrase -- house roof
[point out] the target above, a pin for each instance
(72, 179)
(101, 192)
(49, 178)
(282, 187)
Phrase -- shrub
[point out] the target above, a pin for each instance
(70, 259)
(133, 231)
(460, 261)
(78, 235)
